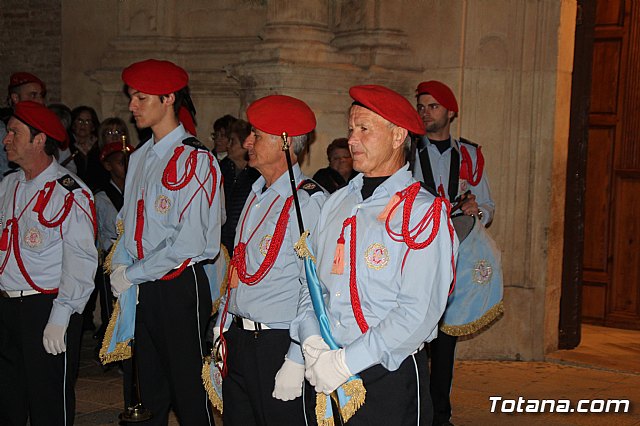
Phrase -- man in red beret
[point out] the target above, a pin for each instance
(48, 261)
(455, 168)
(384, 250)
(172, 218)
(265, 367)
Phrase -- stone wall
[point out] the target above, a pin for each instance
(31, 34)
(508, 61)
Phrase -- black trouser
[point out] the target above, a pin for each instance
(103, 287)
(33, 383)
(398, 397)
(253, 359)
(169, 343)
(443, 350)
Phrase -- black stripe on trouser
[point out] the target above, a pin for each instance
(442, 350)
(31, 380)
(253, 359)
(392, 396)
(169, 347)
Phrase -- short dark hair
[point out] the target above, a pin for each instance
(225, 123)
(50, 144)
(340, 143)
(183, 98)
(241, 128)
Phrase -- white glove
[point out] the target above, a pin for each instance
(53, 339)
(289, 381)
(329, 371)
(119, 281)
(310, 355)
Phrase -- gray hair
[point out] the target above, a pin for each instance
(299, 143)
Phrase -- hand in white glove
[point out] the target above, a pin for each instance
(53, 338)
(289, 381)
(218, 354)
(311, 348)
(329, 371)
(119, 281)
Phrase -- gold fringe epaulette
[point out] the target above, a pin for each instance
(216, 402)
(474, 326)
(225, 282)
(301, 248)
(122, 350)
(108, 260)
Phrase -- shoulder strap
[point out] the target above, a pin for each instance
(468, 142)
(194, 143)
(69, 183)
(116, 198)
(310, 186)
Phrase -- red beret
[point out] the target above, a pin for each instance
(440, 92)
(186, 119)
(42, 118)
(20, 78)
(389, 105)
(276, 114)
(112, 148)
(155, 77)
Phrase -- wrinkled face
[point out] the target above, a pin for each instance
(148, 110)
(82, 126)
(434, 116)
(341, 161)
(235, 149)
(264, 150)
(18, 144)
(220, 140)
(28, 92)
(370, 142)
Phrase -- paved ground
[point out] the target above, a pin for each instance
(605, 366)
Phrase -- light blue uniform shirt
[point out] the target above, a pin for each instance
(440, 164)
(4, 162)
(274, 300)
(167, 239)
(64, 257)
(402, 306)
(107, 218)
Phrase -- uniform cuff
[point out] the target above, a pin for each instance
(60, 314)
(357, 356)
(295, 353)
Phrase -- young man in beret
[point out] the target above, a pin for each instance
(454, 168)
(265, 367)
(47, 263)
(172, 218)
(384, 253)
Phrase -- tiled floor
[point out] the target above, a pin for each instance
(606, 365)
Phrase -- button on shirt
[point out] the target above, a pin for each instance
(402, 305)
(274, 300)
(440, 165)
(172, 231)
(64, 257)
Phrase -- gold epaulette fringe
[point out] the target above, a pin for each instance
(216, 402)
(107, 261)
(301, 248)
(474, 326)
(122, 350)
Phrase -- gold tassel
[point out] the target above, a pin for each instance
(357, 393)
(321, 410)
(302, 249)
(108, 260)
(474, 326)
(382, 217)
(122, 350)
(216, 402)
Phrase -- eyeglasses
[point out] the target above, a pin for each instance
(81, 121)
(217, 136)
(431, 107)
(113, 133)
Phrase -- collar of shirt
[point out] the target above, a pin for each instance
(48, 174)
(281, 185)
(400, 179)
(424, 142)
(167, 143)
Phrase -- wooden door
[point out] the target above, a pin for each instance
(611, 261)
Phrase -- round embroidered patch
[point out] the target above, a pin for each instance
(376, 256)
(163, 204)
(265, 242)
(309, 185)
(32, 238)
(482, 272)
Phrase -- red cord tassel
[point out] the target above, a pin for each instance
(390, 208)
(338, 257)
(4, 241)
